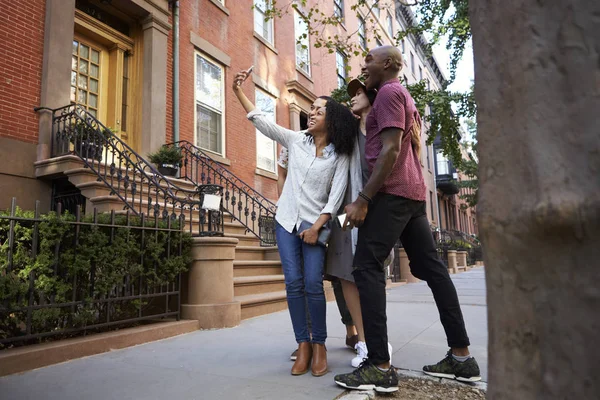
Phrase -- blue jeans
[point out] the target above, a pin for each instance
(303, 285)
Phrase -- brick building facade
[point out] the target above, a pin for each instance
(115, 58)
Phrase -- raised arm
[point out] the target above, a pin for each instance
(240, 78)
(268, 128)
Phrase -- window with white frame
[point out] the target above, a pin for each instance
(262, 27)
(209, 105)
(266, 149)
(390, 25)
(379, 42)
(403, 45)
(362, 33)
(412, 63)
(420, 73)
(443, 167)
(340, 65)
(302, 43)
(376, 11)
(338, 9)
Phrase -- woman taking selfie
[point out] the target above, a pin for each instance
(312, 194)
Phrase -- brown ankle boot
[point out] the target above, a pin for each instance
(319, 364)
(305, 352)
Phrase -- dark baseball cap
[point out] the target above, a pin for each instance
(356, 84)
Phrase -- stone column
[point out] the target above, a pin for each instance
(154, 88)
(295, 111)
(405, 268)
(56, 67)
(210, 284)
(452, 263)
(461, 258)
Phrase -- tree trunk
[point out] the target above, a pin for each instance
(537, 86)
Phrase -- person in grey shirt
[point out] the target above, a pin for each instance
(313, 192)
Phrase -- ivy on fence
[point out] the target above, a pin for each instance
(58, 273)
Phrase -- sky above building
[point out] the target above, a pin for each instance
(464, 72)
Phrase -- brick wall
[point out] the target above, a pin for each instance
(21, 53)
(233, 34)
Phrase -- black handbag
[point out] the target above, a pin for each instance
(324, 232)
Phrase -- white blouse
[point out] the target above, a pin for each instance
(314, 185)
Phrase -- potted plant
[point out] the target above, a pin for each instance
(89, 142)
(167, 159)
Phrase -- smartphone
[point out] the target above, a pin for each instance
(340, 220)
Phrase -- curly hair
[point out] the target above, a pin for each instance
(342, 126)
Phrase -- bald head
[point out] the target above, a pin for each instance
(381, 64)
(392, 53)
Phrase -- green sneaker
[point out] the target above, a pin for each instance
(367, 376)
(467, 371)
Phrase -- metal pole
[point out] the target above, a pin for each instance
(175, 71)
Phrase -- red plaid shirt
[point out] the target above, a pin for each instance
(395, 108)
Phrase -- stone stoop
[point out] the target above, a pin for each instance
(258, 278)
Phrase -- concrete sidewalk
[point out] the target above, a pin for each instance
(251, 361)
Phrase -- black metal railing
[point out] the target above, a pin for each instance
(67, 195)
(246, 205)
(63, 275)
(132, 179)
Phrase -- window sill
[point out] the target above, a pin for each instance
(307, 76)
(220, 6)
(217, 157)
(266, 174)
(266, 43)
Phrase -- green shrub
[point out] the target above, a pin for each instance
(167, 155)
(94, 264)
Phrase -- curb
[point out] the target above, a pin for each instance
(26, 358)
(410, 374)
(357, 395)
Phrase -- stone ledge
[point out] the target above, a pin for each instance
(26, 358)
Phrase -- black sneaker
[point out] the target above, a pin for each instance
(449, 367)
(294, 355)
(367, 376)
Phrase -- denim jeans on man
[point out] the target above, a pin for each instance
(390, 217)
(303, 284)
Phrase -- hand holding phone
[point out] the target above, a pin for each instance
(242, 76)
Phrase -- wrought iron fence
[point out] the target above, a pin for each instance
(246, 205)
(133, 180)
(67, 275)
(457, 240)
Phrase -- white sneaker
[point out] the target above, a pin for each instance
(361, 354)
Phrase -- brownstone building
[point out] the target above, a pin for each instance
(129, 62)
(157, 72)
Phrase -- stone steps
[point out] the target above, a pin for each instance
(243, 268)
(258, 281)
(258, 284)
(254, 305)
